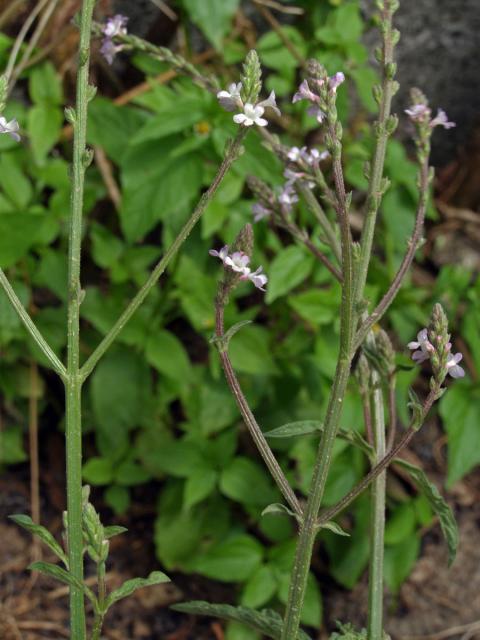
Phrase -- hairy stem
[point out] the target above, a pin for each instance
(100, 614)
(230, 157)
(252, 425)
(374, 189)
(73, 381)
(308, 529)
(406, 263)
(377, 518)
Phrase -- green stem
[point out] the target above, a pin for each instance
(230, 157)
(31, 327)
(308, 528)
(377, 521)
(374, 195)
(100, 615)
(73, 381)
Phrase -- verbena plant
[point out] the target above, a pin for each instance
(318, 179)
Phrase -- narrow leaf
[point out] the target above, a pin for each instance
(44, 534)
(266, 621)
(336, 528)
(439, 505)
(54, 571)
(113, 530)
(279, 509)
(130, 586)
(293, 429)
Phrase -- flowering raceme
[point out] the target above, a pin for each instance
(238, 262)
(424, 350)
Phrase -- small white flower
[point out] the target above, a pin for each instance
(258, 278)
(295, 154)
(453, 368)
(231, 99)
(11, 128)
(251, 115)
(271, 103)
(424, 346)
(418, 112)
(239, 262)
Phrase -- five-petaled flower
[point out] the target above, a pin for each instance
(238, 262)
(11, 128)
(424, 346)
(115, 26)
(250, 114)
(453, 368)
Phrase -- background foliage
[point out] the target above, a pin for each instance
(157, 409)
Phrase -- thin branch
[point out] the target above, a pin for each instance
(281, 8)
(10, 11)
(33, 451)
(168, 11)
(252, 425)
(388, 298)
(330, 513)
(31, 327)
(108, 178)
(392, 412)
(152, 280)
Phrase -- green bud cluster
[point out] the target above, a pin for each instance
(440, 339)
(251, 78)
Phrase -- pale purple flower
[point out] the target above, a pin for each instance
(424, 346)
(271, 103)
(231, 100)
(335, 81)
(295, 154)
(418, 112)
(10, 128)
(317, 113)
(441, 120)
(453, 368)
(222, 254)
(305, 93)
(260, 212)
(115, 26)
(239, 262)
(251, 115)
(258, 278)
(288, 196)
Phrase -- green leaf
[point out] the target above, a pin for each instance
(335, 528)
(312, 604)
(117, 498)
(238, 478)
(165, 352)
(278, 509)
(260, 588)
(177, 116)
(44, 534)
(130, 474)
(120, 386)
(295, 429)
(266, 621)
(459, 409)
(250, 352)
(401, 524)
(130, 586)
(44, 126)
(11, 439)
(214, 17)
(113, 530)
(19, 232)
(400, 560)
(233, 560)
(98, 471)
(289, 268)
(45, 85)
(199, 485)
(437, 503)
(14, 182)
(318, 306)
(273, 52)
(54, 571)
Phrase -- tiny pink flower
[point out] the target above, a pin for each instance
(115, 26)
(222, 254)
(317, 113)
(305, 93)
(270, 103)
(258, 278)
(260, 212)
(418, 112)
(239, 262)
(453, 368)
(335, 81)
